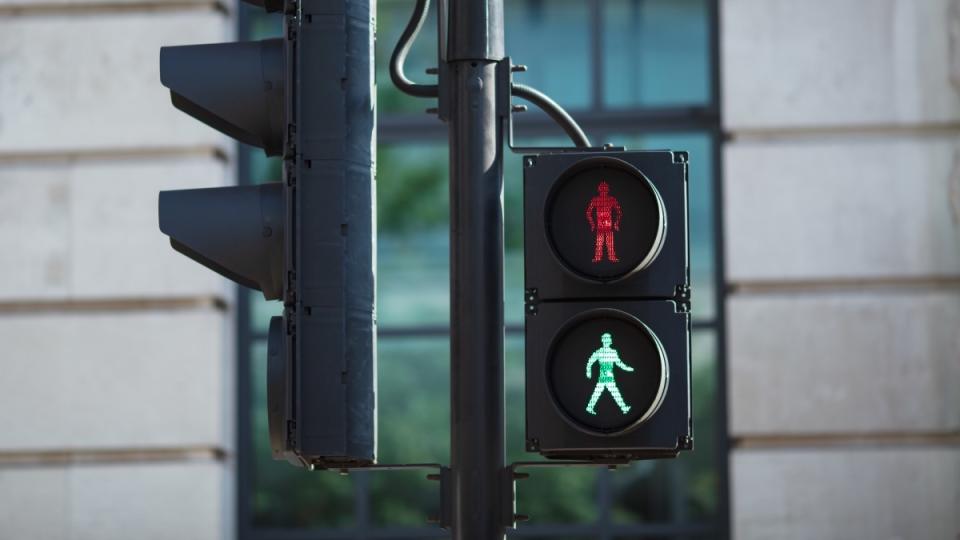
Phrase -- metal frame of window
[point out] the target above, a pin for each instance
(598, 122)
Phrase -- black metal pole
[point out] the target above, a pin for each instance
(475, 44)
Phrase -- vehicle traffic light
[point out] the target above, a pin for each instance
(307, 240)
(607, 305)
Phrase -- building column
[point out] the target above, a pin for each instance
(118, 365)
(842, 210)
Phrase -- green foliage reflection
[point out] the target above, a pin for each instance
(412, 190)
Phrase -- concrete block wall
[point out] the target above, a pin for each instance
(842, 228)
(117, 365)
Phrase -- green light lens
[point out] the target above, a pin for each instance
(607, 358)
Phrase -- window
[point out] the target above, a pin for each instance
(637, 73)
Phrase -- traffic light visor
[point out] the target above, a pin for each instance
(235, 88)
(235, 231)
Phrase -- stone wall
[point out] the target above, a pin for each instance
(117, 364)
(842, 231)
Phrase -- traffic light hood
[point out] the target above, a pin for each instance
(252, 75)
(235, 231)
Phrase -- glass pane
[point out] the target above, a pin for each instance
(513, 237)
(553, 38)
(261, 311)
(685, 489)
(515, 411)
(412, 280)
(403, 498)
(392, 17)
(413, 400)
(655, 53)
(413, 427)
(281, 495)
(413, 244)
(261, 25)
(263, 169)
(702, 250)
(513, 286)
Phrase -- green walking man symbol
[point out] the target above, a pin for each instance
(607, 358)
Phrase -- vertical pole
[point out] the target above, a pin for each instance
(475, 44)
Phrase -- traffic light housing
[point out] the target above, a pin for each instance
(308, 240)
(607, 306)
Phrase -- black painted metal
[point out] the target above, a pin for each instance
(663, 435)
(477, 429)
(667, 273)
(329, 300)
(236, 231)
(252, 75)
(554, 111)
(475, 30)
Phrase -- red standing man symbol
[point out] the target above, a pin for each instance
(604, 205)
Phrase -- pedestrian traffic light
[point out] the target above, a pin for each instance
(607, 305)
(307, 240)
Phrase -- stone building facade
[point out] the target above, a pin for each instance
(842, 210)
(115, 376)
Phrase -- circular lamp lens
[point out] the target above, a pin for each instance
(605, 220)
(607, 372)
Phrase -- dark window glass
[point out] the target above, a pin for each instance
(414, 412)
(559, 495)
(552, 37)
(655, 53)
(413, 242)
